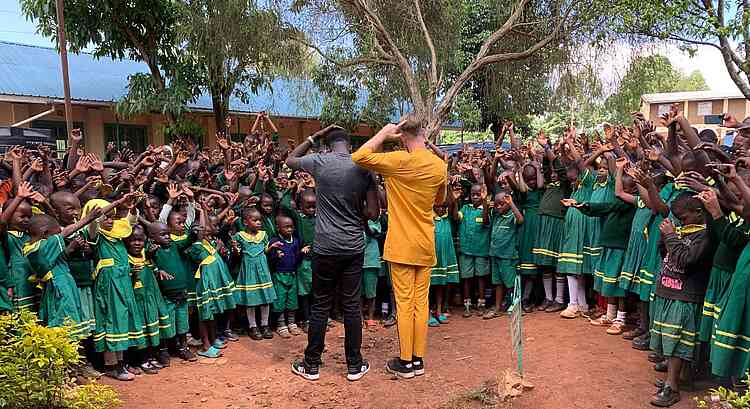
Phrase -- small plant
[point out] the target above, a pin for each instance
(35, 367)
(723, 398)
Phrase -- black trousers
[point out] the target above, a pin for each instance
(330, 273)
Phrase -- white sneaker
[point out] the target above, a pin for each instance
(356, 374)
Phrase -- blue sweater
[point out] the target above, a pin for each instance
(288, 262)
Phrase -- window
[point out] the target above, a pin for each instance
(132, 135)
(57, 128)
(705, 108)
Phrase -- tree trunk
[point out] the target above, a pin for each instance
(221, 107)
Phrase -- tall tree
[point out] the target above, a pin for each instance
(141, 30)
(721, 24)
(649, 74)
(418, 41)
(240, 45)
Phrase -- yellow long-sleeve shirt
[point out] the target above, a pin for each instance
(412, 182)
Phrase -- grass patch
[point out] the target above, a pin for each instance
(484, 397)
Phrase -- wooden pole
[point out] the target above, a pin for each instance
(64, 64)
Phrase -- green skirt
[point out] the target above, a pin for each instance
(573, 241)
(25, 296)
(592, 252)
(254, 285)
(546, 248)
(608, 272)
(87, 307)
(446, 269)
(675, 329)
(285, 287)
(61, 305)
(527, 233)
(730, 341)
(156, 322)
(304, 277)
(629, 279)
(718, 284)
(370, 282)
(504, 271)
(214, 290)
(119, 325)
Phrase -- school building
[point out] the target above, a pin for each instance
(31, 86)
(703, 109)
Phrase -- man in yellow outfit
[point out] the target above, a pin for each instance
(415, 179)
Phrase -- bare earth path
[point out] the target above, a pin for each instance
(571, 364)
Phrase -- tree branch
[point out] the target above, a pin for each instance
(500, 33)
(345, 63)
(431, 46)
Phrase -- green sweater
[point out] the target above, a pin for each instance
(732, 235)
(617, 225)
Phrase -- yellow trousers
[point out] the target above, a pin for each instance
(411, 289)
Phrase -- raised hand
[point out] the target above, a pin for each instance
(76, 135)
(666, 227)
(37, 165)
(182, 157)
(95, 163)
(174, 191)
(222, 141)
(710, 202)
(25, 190)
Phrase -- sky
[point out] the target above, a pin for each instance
(14, 27)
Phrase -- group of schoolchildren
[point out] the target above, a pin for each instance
(640, 232)
(145, 256)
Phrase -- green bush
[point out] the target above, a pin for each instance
(35, 367)
(723, 398)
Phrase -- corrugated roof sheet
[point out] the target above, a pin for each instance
(28, 70)
(691, 96)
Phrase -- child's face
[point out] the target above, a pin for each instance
(68, 209)
(151, 209)
(602, 172)
(572, 174)
(253, 222)
(529, 176)
(476, 195)
(285, 226)
(266, 205)
(688, 216)
(135, 242)
(500, 204)
(309, 203)
(176, 222)
(21, 217)
(159, 234)
(554, 176)
(440, 210)
(108, 221)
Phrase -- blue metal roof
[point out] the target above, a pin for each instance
(28, 70)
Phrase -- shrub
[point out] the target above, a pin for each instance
(723, 398)
(35, 367)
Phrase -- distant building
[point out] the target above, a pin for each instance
(703, 109)
(31, 83)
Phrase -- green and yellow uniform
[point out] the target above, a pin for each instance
(546, 248)
(25, 293)
(575, 237)
(474, 242)
(528, 203)
(637, 248)
(179, 292)
(446, 268)
(254, 285)
(602, 192)
(82, 266)
(151, 305)
(214, 286)
(371, 263)
(504, 248)
(6, 304)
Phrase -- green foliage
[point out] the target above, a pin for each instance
(184, 128)
(144, 96)
(451, 136)
(649, 74)
(723, 398)
(467, 110)
(35, 362)
(92, 396)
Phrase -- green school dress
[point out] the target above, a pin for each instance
(474, 242)
(575, 237)
(371, 263)
(254, 285)
(268, 224)
(6, 304)
(25, 293)
(119, 325)
(446, 268)
(214, 287)
(529, 206)
(82, 267)
(151, 304)
(504, 248)
(629, 279)
(601, 192)
(725, 261)
(546, 249)
(730, 340)
(306, 231)
(61, 300)
(173, 260)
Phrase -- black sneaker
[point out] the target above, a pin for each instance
(163, 358)
(660, 366)
(395, 367)
(418, 365)
(654, 357)
(266, 331)
(186, 354)
(311, 373)
(357, 372)
(527, 306)
(666, 397)
(642, 343)
(255, 334)
(390, 321)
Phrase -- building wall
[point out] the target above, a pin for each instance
(740, 108)
(291, 130)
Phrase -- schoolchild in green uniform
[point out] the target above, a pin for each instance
(284, 255)
(371, 271)
(267, 210)
(530, 190)
(254, 286)
(156, 326)
(175, 279)
(505, 219)
(613, 240)
(16, 215)
(304, 220)
(446, 268)
(474, 242)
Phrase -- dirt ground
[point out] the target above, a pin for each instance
(571, 364)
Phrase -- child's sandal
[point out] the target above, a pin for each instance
(211, 353)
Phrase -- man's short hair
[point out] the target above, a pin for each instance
(338, 135)
(412, 123)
